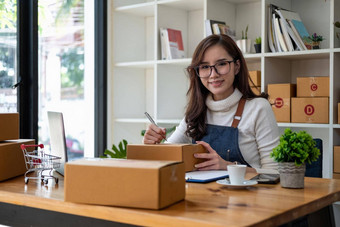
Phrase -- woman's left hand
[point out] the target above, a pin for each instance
(214, 160)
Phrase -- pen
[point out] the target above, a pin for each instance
(152, 121)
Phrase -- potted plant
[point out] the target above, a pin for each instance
(293, 152)
(244, 44)
(257, 45)
(337, 25)
(315, 39)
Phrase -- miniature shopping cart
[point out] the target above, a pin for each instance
(40, 163)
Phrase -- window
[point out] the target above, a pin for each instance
(66, 71)
(8, 48)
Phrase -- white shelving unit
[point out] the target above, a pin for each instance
(141, 82)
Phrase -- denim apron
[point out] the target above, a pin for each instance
(224, 139)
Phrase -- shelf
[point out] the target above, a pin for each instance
(303, 125)
(132, 120)
(183, 61)
(136, 64)
(169, 121)
(188, 5)
(143, 9)
(146, 121)
(147, 83)
(301, 55)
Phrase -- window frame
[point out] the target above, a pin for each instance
(27, 54)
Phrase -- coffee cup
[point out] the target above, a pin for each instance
(237, 173)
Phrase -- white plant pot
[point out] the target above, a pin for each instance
(292, 176)
(248, 45)
(239, 44)
(244, 45)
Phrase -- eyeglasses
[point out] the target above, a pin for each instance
(221, 68)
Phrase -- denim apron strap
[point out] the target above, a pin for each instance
(224, 139)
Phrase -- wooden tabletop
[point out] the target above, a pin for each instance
(212, 203)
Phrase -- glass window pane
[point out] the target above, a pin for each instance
(66, 71)
(8, 50)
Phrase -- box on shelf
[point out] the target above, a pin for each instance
(12, 161)
(280, 96)
(338, 113)
(170, 152)
(312, 86)
(123, 182)
(256, 90)
(9, 123)
(255, 76)
(310, 110)
(336, 175)
(336, 159)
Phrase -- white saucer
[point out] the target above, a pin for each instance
(246, 183)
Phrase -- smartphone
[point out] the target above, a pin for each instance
(267, 178)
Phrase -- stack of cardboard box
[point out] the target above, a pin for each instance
(12, 162)
(312, 102)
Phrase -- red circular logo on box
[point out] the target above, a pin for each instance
(314, 87)
(278, 102)
(309, 109)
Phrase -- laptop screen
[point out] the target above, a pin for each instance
(57, 138)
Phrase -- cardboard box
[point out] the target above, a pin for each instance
(123, 182)
(256, 90)
(336, 159)
(338, 113)
(9, 126)
(312, 86)
(12, 161)
(255, 76)
(310, 110)
(336, 175)
(280, 96)
(170, 152)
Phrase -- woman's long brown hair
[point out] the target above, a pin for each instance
(196, 111)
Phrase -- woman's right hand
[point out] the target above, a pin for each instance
(154, 134)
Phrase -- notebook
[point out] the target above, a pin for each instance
(205, 176)
(57, 138)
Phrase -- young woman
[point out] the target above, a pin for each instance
(223, 114)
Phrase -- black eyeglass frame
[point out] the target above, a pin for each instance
(196, 68)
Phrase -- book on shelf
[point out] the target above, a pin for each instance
(279, 34)
(293, 19)
(276, 36)
(218, 27)
(271, 35)
(171, 44)
(211, 27)
(285, 34)
(295, 41)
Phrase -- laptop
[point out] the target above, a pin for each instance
(57, 138)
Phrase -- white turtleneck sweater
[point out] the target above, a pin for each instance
(258, 130)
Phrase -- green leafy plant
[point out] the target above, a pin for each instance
(298, 147)
(258, 40)
(316, 38)
(337, 25)
(117, 152)
(245, 34)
